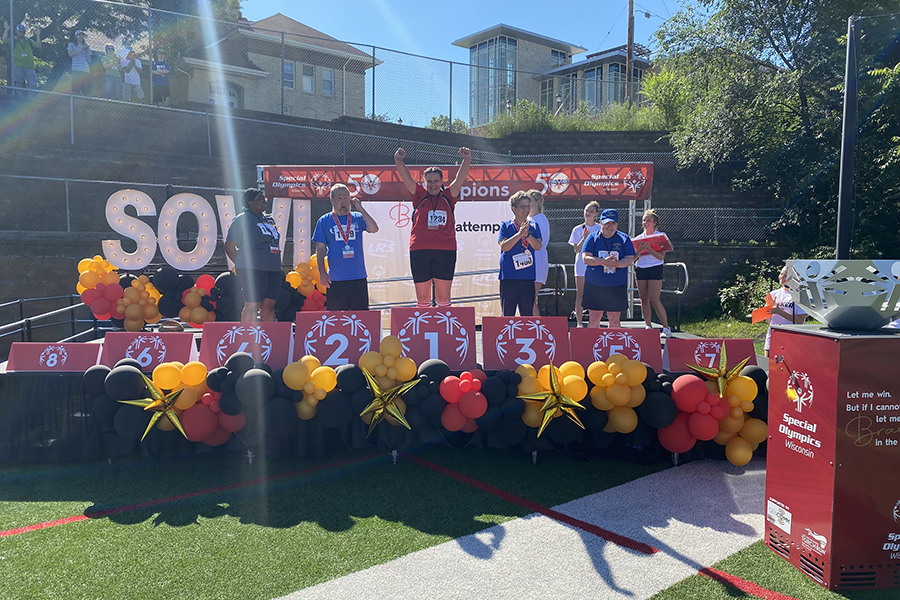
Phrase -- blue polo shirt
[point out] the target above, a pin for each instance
(599, 246)
(507, 268)
(339, 267)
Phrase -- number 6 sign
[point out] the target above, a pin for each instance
(508, 342)
(337, 337)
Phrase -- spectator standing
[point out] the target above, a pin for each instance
(131, 68)
(432, 238)
(541, 258)
(339, 235)
(80, 53)
(784, 310)
(112, 80)
(253, 245)
(648, 271)
(579, 235)
(161, 69)
(519, 239)
(23, 74)
(607, 253)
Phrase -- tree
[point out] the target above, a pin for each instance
(760, 81)
(442, 123)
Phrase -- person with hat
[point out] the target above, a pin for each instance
(253, 245)
(80, 53)
(131, 69)
(112, 80)
(607, 255)
(160, 69)
(339, 235)
(23, 55)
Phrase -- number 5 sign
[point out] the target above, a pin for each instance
(444, 333)
(337, 338)
(508, 342)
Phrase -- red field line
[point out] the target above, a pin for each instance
(607, 535)
(743, 585)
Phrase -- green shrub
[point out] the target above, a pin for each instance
(748, 289)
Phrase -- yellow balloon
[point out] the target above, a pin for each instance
(167, 375)
(532, 415)
(325, 378)
(614, 368)
(134, 312)
(84, 265)
(609, 428)
(302, 268)
(618, 394)
(296, 375)
(192, 300)
(755, 431)
(319, 394)
(187, 398)
(731, 424)
(575, 387)
(185, 314)
(743, 387)
(723, 436)
(636, 372)
(134, 325)
(294, 278)
(388, 360)
(199, 315)
(529, 385)
(79, 288)
(406, 368)
(311, 399)
(370, 361)
(89, 279)
(733, 401)
(638, 394)
(309, 387)
(738, 451)
(381, 371)
(109, 278)
(200, 388)
(616, 359)
(193, 373)
(608, 379)
(391, 346)
(304, 411)
(312, 363)
(622, 378)
(385, 383)
(526, 371)
(164, 424)
(571, 368)
(544, 376)
(596, 371)
(392, 373)
(623, 419)
(132, 294)
(747, 406)
(599, 399)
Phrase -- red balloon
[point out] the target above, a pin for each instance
(199, 422)
(452, 419)
(476, 385)
(207, 398)
(687, 392)
(719, 411)
(677, 437)
(473, 404)
(101, 306)
(450, 389)
(465, 385)
(712, 399)
(104, 317)
(703, 427)
(478, 374)
(232, 422)
(206, 281)
(113, 292)
(470, 426)
(218, 437)
(703, 408)
(465, 376)
(214, 406)
(88, 296)
(100, 287)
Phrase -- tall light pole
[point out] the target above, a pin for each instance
(849, 136)
(629, 50)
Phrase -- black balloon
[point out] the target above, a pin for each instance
(515, 378)
(165, 280)
(264, 367)
(512, 390)
(227, 386)
(658, 410)
(654, 385)
(286, 392)
(761, 405)
(504, 375)
(281, 417)
(297, 396)
(125, 383)
(651, 374)
(185, 282)
(94, 379)
(170, 304)
(491, 418)
(510, 431)
(432, 406)
(277, 375)
(594, 419)
(104, 411)
(350, 378)
(283, 301)
(436, 369)
(336, 410)
(228, 284)
(215, 378)
(563, 430)
(494, 390)
(131, 421)
(360, 399)
(224, 305)
(239, 362)
(129, 362)
(757, 374)
(254, 387)
(229, 403)
(206, 302)
(513, 406)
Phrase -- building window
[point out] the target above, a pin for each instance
(228, 95)
(309, 79)
(567, 86)
(558, 58)
(287, 75)
(328, 82)
(547, 101)
(492, 78)
(616, 83)
(592, 93)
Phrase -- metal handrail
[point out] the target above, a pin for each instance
(27, 321)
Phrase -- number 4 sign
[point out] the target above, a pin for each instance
(508, 342)
(444, 333)
(337, 337)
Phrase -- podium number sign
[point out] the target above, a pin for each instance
(508, 342)
(337, 337)
(444, 333)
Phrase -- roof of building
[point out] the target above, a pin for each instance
(306, 35)
(521, 34)
(641, 60)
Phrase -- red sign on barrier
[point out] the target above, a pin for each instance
(268, 343)
(705, 353)
(444, 333)
(337, 337)
(591, 345)
(508, 342)
(149, 349)
(69, 357)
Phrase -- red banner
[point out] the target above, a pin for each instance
(594, 181)
(337, 337)
(444, 333)
(508, 342)
(705, 353)
(52, 358)
(149, 349)
(268, 343)
(590, 345)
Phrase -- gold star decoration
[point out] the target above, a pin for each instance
(555, 400)
(723, 375)
(160, 403)
(384, 402)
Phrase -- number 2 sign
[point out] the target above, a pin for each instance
(508, 342)
(337, 337)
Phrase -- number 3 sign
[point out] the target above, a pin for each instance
(444, 333)
(508, 342)
(337, 338)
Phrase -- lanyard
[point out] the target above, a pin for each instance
(345, 235)
(607, 246)
(524, 240)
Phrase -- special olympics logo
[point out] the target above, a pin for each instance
(351, 327)
(147, 350)
(526, 336)
(897, 512)
(53, 356)
(370, 184)
(320, 184)
(400, 214)
(634, 181)
(616, 342)
(800, 390)
(705, 353)
(559, 183)
(445, 323)
(252, 339)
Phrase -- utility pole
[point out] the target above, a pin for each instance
(629, 51)
(848, 144)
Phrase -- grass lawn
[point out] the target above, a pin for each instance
(728, 328)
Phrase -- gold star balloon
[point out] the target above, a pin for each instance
(723, 375)
(555, 400)
(384, 402)
(160, 403)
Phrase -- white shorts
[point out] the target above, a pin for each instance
(541, 267)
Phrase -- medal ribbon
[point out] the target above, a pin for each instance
(344, 235)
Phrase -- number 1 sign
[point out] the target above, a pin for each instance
(508, 342)
(444, 333)
(337, 337)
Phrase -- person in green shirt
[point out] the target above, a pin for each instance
(112, 88)
(23, 55)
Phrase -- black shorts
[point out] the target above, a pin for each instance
(160, 93)
(259, 285)
(649, 274)
(352, 294)
(432, 264)
(613, 299)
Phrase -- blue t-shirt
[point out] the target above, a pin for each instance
(257, 241)
(508, 269)
(598, 246)
(339, 267)
(160, 79)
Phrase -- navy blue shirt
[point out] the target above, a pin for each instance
(257, 240)
(618, 245)
(508, 269)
